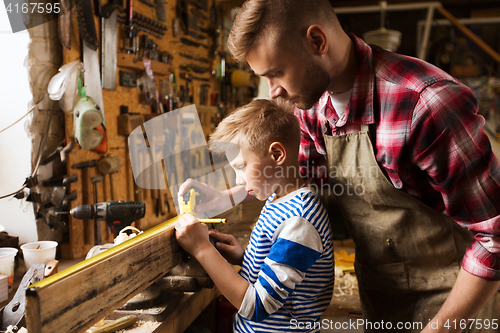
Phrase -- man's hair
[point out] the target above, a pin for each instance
(256, 125)
(282, 20)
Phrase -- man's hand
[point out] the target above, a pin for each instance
(469, 294)
(228, 246)
(212, 199)
(192, 235)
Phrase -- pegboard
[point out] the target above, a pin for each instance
(82, 233)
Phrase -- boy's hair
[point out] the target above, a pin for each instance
(256, 125)
(282, 20)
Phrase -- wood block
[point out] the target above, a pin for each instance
(95, 287)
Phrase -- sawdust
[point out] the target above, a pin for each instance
(141, 326)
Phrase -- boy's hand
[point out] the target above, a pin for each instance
(191, 235)
(228, 246)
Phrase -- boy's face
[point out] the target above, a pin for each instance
(255, 172)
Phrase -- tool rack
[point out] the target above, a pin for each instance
(182, 57)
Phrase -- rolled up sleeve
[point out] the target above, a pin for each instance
(451, 147)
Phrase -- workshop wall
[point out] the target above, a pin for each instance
(182, 47)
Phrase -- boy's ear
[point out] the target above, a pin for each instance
(278, 152)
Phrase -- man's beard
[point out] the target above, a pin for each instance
(313, 87)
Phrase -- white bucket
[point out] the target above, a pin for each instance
(7, 256)
(38, 253)
(386, 39)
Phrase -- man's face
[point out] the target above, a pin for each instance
(294, 77)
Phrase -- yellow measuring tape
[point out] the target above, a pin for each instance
(169, 224)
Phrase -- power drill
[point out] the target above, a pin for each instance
(116, 214)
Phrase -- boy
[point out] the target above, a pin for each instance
(287, 274)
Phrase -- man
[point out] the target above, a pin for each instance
(401, 147)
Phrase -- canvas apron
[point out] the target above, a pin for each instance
(407, 254)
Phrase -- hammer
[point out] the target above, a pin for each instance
(108, 165)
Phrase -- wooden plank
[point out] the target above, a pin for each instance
(187, 311)
(78, 297)
(467, 32)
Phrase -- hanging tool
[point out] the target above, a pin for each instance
(161, 12)
(97, 225)
(64, 23)
(126, 123)
(86, 23)
(149, 3)
(189, 77)
(91, 58)
(190, 42)
(223, 86)
(196, 35)
(109, 165)
(203, 93)
(214, 29)
(86, 185)
(116, 214)
(60, 181)
(182, 14)
(131, 43)
(195, 68)
(188, 56)
(109, 50)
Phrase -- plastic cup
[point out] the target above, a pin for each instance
(40, 252)
(7, 256)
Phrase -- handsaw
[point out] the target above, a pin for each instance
(109, 38)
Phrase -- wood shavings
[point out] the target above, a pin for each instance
(344, 283)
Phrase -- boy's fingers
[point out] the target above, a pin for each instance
(220, 236)
(222, 246)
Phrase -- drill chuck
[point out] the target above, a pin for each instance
(83, 212)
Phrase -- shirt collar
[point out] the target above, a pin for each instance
(360, 108)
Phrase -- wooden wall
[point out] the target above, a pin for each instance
(81, 233)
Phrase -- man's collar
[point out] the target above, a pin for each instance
(361, 103)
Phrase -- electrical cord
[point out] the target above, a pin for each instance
(6, 128)
(27, 113)
(42, 143)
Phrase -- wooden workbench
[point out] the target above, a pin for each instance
(240, 223)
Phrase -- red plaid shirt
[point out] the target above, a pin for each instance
(427, 138)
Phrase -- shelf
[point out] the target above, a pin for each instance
(133, 62)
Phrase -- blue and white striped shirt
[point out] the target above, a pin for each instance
(289, 264)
